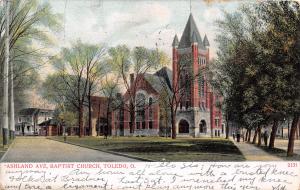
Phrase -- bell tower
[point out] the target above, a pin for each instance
(190, 58)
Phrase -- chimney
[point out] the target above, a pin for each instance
(131, 78)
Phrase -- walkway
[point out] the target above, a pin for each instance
(40, 149)
(283, 144)
(253, 153)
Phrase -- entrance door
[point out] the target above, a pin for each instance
(183, 126)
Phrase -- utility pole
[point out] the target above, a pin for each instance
(5, 79)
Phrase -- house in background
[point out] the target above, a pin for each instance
(50, 127)
(28, 119)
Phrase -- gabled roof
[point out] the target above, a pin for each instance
(160, 80)
(187, 36)
(28, 111)
(166, 74)
(32, 111)
(155, 81)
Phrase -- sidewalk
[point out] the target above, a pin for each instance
(253, 153)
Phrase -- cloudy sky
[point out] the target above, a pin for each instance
(136, 22)
(133, 22)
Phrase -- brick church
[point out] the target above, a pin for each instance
(197, 113)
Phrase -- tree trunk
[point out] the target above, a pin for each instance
(249, 136)
(273, 134)
(290, 150)
(108, 130)
(247, 132)
(90, 116)
(80, 120)
(173, 124)
(5, 130)
(259, 136)
(132, 119)
(298, 132)
(227, 127)
(255, 136)
(98, 119)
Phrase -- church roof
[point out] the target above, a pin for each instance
(175, 41)
(160, 80)
(205, 41)
(165, 73)
(190, 30)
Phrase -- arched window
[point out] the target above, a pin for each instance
(150, 108)
(202, 125)
(183, 126)
(140, 107)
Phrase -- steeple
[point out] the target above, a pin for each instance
(175, 41)
(205, 41)
(187, 36)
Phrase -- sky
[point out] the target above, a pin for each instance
(137, 22)
(134, 23)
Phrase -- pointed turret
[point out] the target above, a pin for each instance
(175, 41)
(190, 34)
(205, 41)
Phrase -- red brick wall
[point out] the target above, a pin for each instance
(145, 86)
(194, 86)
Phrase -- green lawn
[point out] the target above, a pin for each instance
(159, 148)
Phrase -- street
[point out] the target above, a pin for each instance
(40, 149)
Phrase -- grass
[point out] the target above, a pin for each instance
(159, 148)
(2, 148)
(280, 153)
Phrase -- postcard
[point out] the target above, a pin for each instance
(149, 95)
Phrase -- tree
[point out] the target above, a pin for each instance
(165, 109)
(27, 24)
(227, 71)
(78, 69)
(110, 89)
(279, 44)
(32, 22)
(260, 40)
(94, 77)
(139, 61)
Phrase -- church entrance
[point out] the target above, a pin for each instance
(183, 126)
(202, 125)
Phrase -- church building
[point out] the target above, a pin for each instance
(198, 114)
